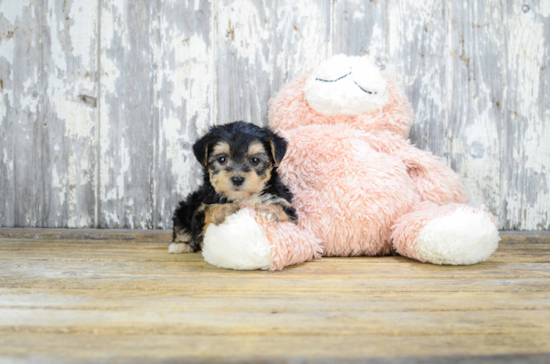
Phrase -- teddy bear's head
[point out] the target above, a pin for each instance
(346, 86)
(342, 89)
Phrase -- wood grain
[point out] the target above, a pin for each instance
(527, 114)
(48, 54)
(69, 114)
(475, 101)
(21, 113)
(117, 300)
(127, 130)
(417, 62)
(260, 46)
(102, 100)
(184, 101)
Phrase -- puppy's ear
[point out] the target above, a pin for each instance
(200, 149)
(278, 146)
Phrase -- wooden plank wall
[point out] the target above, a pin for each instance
(102, 100)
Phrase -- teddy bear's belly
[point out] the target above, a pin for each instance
(350, 199)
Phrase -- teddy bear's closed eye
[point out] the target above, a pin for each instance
(355, 82)
(338, 79)
(346, 86)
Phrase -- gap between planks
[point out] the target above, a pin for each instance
(166, 235)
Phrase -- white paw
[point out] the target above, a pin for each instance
(461, 238)
(238, 243)
(179, 248)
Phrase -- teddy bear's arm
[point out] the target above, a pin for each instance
(434, 180)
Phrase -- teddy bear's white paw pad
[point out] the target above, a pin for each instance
(461, 238)
(238, 243)
(179, 248)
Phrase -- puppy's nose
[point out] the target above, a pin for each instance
(237, 180)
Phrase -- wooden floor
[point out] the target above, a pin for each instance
(119, 297)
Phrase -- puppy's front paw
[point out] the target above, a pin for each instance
(216, 214)
(272, 213)
(180, 242)
(180, 248)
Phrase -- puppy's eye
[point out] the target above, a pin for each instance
(222, 160)
(254, 161)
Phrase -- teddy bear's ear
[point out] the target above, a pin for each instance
(200, 149)
(278, 146)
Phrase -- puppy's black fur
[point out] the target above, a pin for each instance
(231, 174)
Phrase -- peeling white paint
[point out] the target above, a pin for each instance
(30, 99)
(3, 112)
(358, 15)
(307, 47)
(13, 10)
(192, 67)
(525, 58)
(6, 160)
(80, 33)
(224, 60)
(241, 24)
(79, 122)
(58, 184)
(525, 51)
(110, 71)
(191, 81)
(545, 8)
(106, 159)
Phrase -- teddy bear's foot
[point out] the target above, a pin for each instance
(238, 243)
(453, 234)
(248, 241)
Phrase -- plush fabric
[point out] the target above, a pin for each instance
(290, 244)
(290, 110)
(360, 187)
(238, 243)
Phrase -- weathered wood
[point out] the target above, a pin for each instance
(361, 27)
(472, 349)
(118, 300)
(127, 107)
(261, 45)
(417, 49)
(48, 113)
(518, 237)
(21, 114)
(90, 234)
(475, 100)
(184, 100)
(116, 153)
(526, 193)
(69, 105)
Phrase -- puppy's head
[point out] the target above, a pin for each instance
(239, 157)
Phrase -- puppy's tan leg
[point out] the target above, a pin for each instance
(216, 214)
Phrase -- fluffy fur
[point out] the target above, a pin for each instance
(465, 236)
(238, 243)
(360, 187)
(239, 170)
(247, 241)
(358, 79)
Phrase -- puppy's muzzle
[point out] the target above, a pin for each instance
(237, 180)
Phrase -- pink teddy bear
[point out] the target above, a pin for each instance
(360, 187)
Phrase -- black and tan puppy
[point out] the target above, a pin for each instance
(240, 169)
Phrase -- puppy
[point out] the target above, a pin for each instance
(239, 163)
